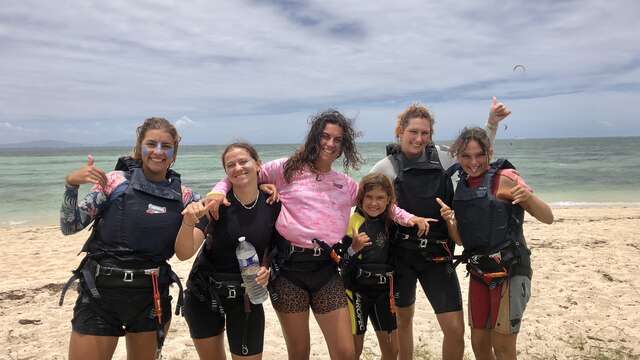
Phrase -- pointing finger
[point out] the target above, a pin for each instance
(494, 101)
(441, 203)
(89, 160)
(430, 220)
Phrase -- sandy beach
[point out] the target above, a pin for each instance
(585, 303)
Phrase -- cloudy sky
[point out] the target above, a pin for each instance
(90, 71)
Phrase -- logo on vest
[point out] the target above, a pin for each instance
(155, 209)
(380, 240)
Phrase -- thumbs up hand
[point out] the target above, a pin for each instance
(89, 174)
(497, 112)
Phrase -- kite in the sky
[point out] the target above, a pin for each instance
(519, 66)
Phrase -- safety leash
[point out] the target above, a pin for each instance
(157, 306)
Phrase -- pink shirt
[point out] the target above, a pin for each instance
(313, 205)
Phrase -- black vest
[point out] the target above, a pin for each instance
(417, 185)
(486, 223)
(140, 221)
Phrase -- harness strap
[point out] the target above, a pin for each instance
(491, 279)
(392, 298)
(157, 307)
(424, 245)
(245, 330)
(83, 270)
(333, 255)
(216, 303)
(175, 279)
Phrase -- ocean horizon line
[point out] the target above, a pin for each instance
(57, 144)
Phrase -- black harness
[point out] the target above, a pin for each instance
(216, 286)
(111, 260)
(417, 184)
(491, 230)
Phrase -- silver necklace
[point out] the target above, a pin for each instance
(243, 205)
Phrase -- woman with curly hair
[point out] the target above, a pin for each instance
(316, 206)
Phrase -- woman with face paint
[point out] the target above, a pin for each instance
(124, 278)
(416, 168)
(489, 205)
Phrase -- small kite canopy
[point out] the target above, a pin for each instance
(519, 67)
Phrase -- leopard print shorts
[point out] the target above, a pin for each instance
(287, 297)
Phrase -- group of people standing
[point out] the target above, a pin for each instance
(313, 252)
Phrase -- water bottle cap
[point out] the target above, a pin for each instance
(241, 239)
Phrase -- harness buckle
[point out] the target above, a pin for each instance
(104, 270)
(128, 276)
(382, 279)
(232, 292)
(423, 243)
(317, 251)
(152, 271)
(294, 249)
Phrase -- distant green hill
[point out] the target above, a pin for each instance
(42, 144)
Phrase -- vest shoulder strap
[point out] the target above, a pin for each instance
(453, 169)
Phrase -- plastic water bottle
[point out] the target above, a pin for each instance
(249, 266)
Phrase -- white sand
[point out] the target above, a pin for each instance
(585, 303)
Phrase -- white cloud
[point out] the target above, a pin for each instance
(184, 122)
(10, 126)
(242, 61)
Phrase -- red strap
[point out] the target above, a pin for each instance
(392, 300)
(156, 297)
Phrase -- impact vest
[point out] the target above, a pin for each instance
(417, 185)
(139, 223)
(487, 224)
(369, 268)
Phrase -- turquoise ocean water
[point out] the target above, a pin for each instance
(564, 172)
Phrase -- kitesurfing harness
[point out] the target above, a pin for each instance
(490, 228)
(131, 239)
(417, 184)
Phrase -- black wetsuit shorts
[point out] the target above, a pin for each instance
(119, 310)
(439, 283)
(370, 305)
(245, 330)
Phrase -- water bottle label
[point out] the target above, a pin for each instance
(248, 262)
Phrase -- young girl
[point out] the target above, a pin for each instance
(489, 205)
(214, 292)
(369, 276)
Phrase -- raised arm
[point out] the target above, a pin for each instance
(497, 112)
(73, 216)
